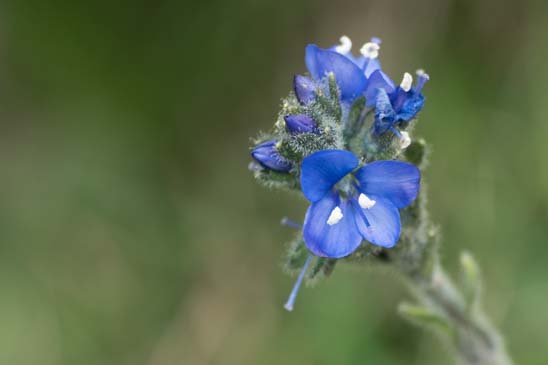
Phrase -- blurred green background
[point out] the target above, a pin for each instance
(131, 231)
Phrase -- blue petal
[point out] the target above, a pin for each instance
(323, 169)
(300, 123)
(385, 116)
(349, 76)
(370, 65)
(411, 107)
(337, 240)
(358, 61)
(396, 181)
(379, 224)
(268, 156)
(305, 89)
(399, 97)
(378, 80)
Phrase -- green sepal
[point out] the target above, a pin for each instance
(355, 116)
(320, 267)
(417, 153)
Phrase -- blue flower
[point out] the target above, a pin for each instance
(349, 206)
(394, 105)
(300, 123)
(268, 156)
(349, 76)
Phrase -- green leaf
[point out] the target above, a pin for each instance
(424, 316)
(471, 279)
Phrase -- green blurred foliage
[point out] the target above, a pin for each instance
(131, 231)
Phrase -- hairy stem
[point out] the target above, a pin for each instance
(459, 322)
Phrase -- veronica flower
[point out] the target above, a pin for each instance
(348, 74)
(351, 76)
(395, 105)
(350, 206)
(267, 155)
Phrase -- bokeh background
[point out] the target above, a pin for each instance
(131, 231)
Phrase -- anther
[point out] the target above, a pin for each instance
(335, 216)
(370, 50)
(405, 140)
(407, 82)
(345, 46)
(365, 202)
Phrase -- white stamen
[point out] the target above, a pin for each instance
(420, 72)
(370, 50)
(335, 216)
(345, 46)
(405, 140)
(407, 82)
(365, 202)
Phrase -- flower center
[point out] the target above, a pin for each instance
(370, 50)
(335, 216)
(345, 46)
(365, 202)
(407, 82)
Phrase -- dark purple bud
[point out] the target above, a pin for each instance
(300, 123)
(304, 89)
(268, 156)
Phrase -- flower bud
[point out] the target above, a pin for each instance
(268, 156)
(300, 123)
(304, 89)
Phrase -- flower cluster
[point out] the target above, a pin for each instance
(339, 139)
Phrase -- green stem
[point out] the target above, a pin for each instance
(466, 328)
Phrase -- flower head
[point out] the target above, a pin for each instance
(349, 206)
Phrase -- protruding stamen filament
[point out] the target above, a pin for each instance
(335, 216)
(422, 79)
(289, 223)
(365, 202)
(370, 50)
(405, 140)
(345, 46)
(291, 300)
(407, 82)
